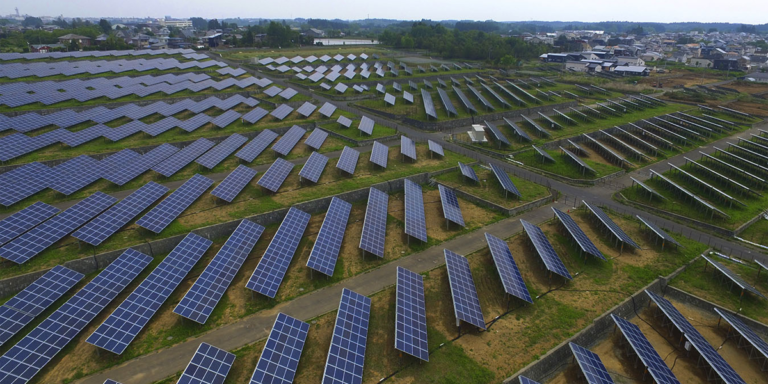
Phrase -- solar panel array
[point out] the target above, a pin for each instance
(497, 135)
(327, 245)
(220, 152)
(346, 355)
(618, 232)
(129, 171)
(281, 112)
(525, 380)
(282, 351)
(468, 172)
(344, 121)
(408, 147)
(429, 105)
(645, 351)
(116, 217)
(379, 154)
(545, 250)
(125, 323)
(269, 273)
(24, 220)
(504, 180)
(366, 125)
(435, 148)
(327, 109)
(313, 168)
(209, 365)
(274, 177)
(740, 282)
(745, 331)
(710, 355)
(577, 234)
(198, 303)
(451, 208)
(591, 366)
(253, 149)
(80, 54)
(658, 231)
(348, 160)
(374, 231)
(31, 243)
(316, 138)
(466, 304)
(182, 158)
(22, 308)
(411, 315)
(509, 273)
(234, 183)
(289, 140)
(14, 71)
(415, 221)
(164, 213)
(25, 359)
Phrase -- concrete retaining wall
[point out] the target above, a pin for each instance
(13, 285)
(498, 208)
(359, 143)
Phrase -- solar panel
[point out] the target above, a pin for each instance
(225, 119)
(577, 234)
(745, 331)
(504, 180)
(282, 111)
(468, 172)
(274, 177)
(379, 154)
(209, 365)
(407, 147)
(389, 99)
(198, 303)
(435, 148)
(23, 182)
(289, 140)
(415, 221)
(125, 323)
(344, 121)
(618, 232)
(110, 381)
(375, 223)
(525, 380)
(31, 243)
(25, 359)
(451, 208)
(366, 125)
(325, 251)
(466, 304)
(578, 160)
(327, 109)
(645, 351)
(22, 308)
(411, 316)
(464, 100)
(507, 268)
(591, 366)
(497, 135)
(234, 183)
(407, 96)
(710, 355)
(129, 171)
(24, 220)
(545, 250)
(348, 160)
(182, 158)
(282, 351)
(306, 109)
(221, 151)
(74, 174)
(313, 168)
(269, 273)
(543, 153)
(109, 222)
(169, 209)
(253, 149)
(316, 138)
(429, 105)
(734, 277)
(658, 231)
(346, 356)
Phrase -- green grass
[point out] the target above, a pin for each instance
(756, 233)
(353, 133)
(564, 166)
(490, 189)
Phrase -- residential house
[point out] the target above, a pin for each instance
(726, 64)
(314, 33)
(651, 56)
(632, 70)
(701, 63)
(82, 41)
(45, 48)
(679, 57)
(636, 61)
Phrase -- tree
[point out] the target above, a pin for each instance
(73, 46)
(407, 42)
(105, 26)
(233, 42)
(32, 22)
(198, 23)
(712, 30)
(507, 61)
(214, 24)
(61, 23)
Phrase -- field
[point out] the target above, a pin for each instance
(489, 188)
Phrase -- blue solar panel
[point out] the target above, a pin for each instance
(411, 316)
(220, 152)
(24, 220)
(182, 158)
(436, 148)
(164, 213)
(658, 231)
(109, 222)
(504, 180)
(645, 351)
(316, 139)
(269, 273)
(375, 223)
(415, 221)
(618, 232)
(274, 177)
(289, 140)
(348, 160)
(21, 309)
(577, 234)
(366, 125)
(346, 354)
(73, 175)
(591, 365)
(710, 355)
(253, 149)
(468, 172)
(466, 304)
(735, 278)
(379, 154)
(326, 249)
(43, 236)
(745, 331)
(209, 365)
(133, 169)
(451, 208)
(198, 303)
(407, 147)
(125, 323)
(280, 357)
(497, 135)
(25, 359)
(507, 268)
(313, 168)
(525, 380)
(429, 105)
(234, 183)
(110, 381)
(545, 250)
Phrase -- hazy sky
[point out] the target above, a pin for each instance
(745, 11)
